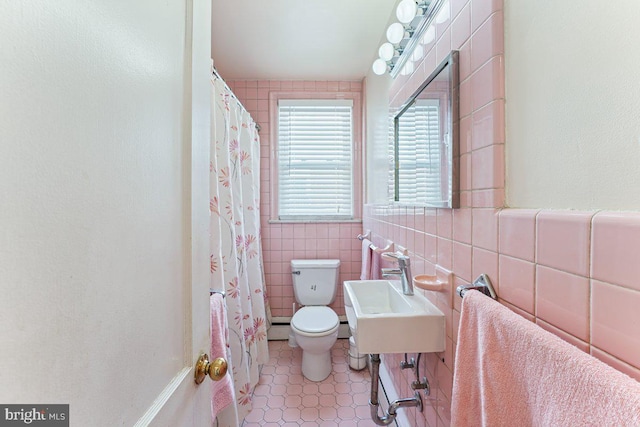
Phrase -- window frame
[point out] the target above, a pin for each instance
(355, 98)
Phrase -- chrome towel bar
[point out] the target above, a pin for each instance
(213, 291)
(365, 236)
(388, 248)
(482, 284)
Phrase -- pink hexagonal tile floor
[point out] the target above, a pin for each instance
(283, 397)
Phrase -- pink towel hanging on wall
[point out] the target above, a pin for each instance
(367, 261)
(511, 372)
(222, 394)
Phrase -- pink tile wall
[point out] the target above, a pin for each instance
(283, 242)
(576, 274)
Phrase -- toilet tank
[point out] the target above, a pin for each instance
(315, 281)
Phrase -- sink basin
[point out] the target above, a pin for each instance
(384, 320)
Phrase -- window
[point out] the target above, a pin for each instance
(315, 159)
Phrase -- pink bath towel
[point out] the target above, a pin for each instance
(367, 253)
(221, 391)
(511, 372)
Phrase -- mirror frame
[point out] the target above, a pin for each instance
(453, 125)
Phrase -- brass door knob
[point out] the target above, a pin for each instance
(216, 369)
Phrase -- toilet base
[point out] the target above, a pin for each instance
(316, 367)
(316, 354)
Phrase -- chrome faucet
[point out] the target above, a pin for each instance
(403, 270)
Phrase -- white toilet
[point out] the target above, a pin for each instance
(315, 326)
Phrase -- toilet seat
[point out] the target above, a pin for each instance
(315, 321)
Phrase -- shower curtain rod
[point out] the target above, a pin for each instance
(215, 73)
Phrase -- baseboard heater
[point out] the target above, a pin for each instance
(280, 327)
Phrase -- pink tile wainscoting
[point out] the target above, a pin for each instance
(563, 240)
(614, 320)
(615, 249)
(517, 233)
(516, 282)
(598, 316)
(562, 299)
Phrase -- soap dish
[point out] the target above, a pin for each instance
(429, 283)
(438, 282)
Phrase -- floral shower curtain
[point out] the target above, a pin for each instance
(236, 252)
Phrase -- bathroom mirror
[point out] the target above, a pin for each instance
(426, 141)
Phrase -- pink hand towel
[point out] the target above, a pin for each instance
(511, 372)
(367, 252)
(221, 391)
(376, 260)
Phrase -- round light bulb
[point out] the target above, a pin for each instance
(443, 15)
(429, 35)
(379, 67)
(418, 53)
(406, 11)
(386, 51)
(408, 68)
(395, 33)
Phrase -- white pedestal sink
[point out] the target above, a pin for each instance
(387, 321)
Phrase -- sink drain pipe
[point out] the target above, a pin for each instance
(388, 418)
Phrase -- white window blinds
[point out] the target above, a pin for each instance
(420, 153)
(315, 159)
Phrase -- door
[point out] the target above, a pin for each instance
(182, 402)
(104, 273)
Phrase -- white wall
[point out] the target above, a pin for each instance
(377, 137)
(95, 203)
(573, 104)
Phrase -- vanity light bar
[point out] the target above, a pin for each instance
(406, 35)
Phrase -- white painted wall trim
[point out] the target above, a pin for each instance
(183, 379)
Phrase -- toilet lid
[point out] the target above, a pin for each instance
(315, 319)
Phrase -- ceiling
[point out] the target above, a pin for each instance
(297, 39)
